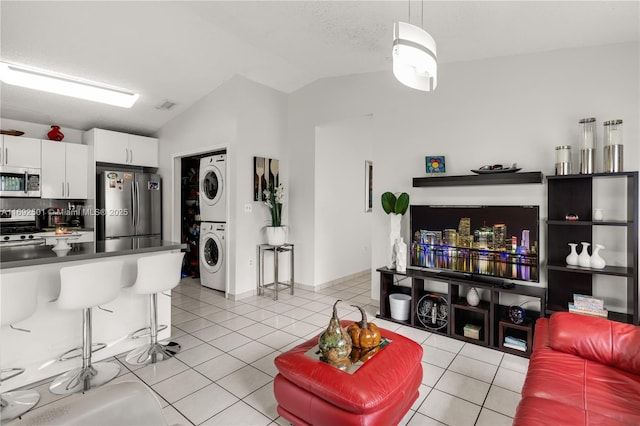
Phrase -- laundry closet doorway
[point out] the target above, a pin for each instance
(202, 175)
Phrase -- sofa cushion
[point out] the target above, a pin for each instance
(597, 339)
(585, 385)
(534, 411)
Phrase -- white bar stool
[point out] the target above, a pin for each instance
(155, 274)
(19, 302)
(83, 287)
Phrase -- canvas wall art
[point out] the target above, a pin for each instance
(435, 164)
(266, 174)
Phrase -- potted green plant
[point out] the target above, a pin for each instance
(274, 198)
(395, 207)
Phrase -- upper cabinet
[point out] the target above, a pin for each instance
(122, 148)
(18, 151)
(64, 170)
(143, 151)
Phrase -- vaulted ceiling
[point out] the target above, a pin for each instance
(182, 50)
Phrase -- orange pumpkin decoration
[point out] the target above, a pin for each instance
(364, 334)
(359, 354)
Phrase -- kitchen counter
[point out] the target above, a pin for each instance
(14, 257)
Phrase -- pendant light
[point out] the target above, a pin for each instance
(414, 56)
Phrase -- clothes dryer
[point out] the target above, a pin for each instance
(213, 253)
(212, 191)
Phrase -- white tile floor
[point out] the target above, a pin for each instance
(224, 373)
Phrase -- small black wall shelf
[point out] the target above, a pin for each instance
(484, 179)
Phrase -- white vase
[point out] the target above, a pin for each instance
(597, 262)
(395, 223)
(401, 255)
(276, 235)
(598, 214)
(572, 258)
(473, 298)
(584, 259)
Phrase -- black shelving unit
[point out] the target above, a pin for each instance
(483, 179)
(488, 314)
(574, 194)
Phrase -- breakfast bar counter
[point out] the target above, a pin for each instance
(15, 257)
(54, 331)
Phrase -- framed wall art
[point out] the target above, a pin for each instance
(435, 164)
(266, 174)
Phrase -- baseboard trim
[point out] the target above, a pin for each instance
(361, 274)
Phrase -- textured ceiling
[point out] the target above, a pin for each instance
(181, 50)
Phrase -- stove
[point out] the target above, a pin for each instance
(18, 226)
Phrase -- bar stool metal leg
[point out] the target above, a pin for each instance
(154, 351)
(89, 375)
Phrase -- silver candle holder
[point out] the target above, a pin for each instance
(588, 143)
(612, 146)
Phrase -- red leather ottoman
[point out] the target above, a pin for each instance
(380, 392)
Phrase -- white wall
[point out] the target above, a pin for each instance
(503, 110)
(249, 120)
(342, 227)
(261, 133)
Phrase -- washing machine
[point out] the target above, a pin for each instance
(213, 251)
(212, 191)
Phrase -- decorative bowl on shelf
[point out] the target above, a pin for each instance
(496, 168)
(516, 314)
(11, 132)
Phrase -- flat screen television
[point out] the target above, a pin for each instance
(489, 243)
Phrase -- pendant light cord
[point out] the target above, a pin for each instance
(421, 14)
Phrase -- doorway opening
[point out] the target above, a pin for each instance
(190, 201)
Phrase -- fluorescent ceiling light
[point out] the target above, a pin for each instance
(60, 84)
(414, 57)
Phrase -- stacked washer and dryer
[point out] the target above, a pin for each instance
(213, 216)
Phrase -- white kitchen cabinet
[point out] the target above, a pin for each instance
(18, 151)
(64, 170)
(143, 151)
(123, 148)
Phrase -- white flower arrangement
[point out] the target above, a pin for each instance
(274, 201)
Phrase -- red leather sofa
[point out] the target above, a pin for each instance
(583, 371)
(380, 392)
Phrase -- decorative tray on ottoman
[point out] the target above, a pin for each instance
(314, 353)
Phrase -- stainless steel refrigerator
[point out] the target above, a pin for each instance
(129, 205)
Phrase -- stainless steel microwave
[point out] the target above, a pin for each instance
(19, 182)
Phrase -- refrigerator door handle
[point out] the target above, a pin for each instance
(133, 206)
(137, 203)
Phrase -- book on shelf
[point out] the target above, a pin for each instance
(515, 341)
(516, 347)
(472, 331)
(583, 301)
(602, 313)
